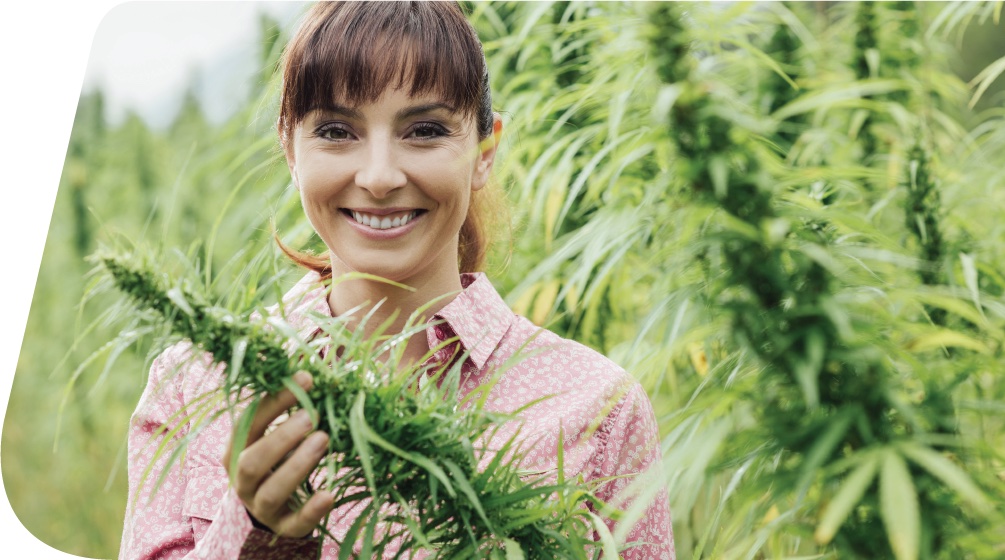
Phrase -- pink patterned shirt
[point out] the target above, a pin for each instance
(607, 421)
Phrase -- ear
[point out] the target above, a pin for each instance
(487, 154)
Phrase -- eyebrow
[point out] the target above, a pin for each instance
(335, 108)
(424, 108)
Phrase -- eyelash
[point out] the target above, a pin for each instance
(433, 131)
(436, 130)
(323, 130)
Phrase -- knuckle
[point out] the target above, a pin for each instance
(287, 529)
(247, 468)
(268, 502)
(310, 514)
(296, 527)
(248, 499)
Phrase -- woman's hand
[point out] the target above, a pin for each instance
(271, 467)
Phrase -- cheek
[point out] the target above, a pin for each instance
(317, 197)
(311, 212)
(314, 204)
(319, 183)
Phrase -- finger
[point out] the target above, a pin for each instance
(273, 494)
(302, 522)
(267, 410)
(270, 407)
(257, 461)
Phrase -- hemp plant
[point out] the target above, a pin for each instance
(867, 64)
(841, 439)
(424, 462)
(921, 217)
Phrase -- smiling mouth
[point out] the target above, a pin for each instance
(390, 221)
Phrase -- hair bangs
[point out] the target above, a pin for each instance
(356, 54)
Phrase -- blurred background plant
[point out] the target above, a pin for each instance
(784, 219)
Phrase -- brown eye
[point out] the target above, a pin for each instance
(428, 130)
(333, 131)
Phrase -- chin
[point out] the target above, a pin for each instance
(387, 272)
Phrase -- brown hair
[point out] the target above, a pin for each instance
(351, 52)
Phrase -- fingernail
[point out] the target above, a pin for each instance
(327, 498)
(303, 417)
(320, 442)
(303, 379)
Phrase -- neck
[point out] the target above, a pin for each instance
(428, 298)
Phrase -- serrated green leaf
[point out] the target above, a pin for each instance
(718, 172)
(898, 506)
(951, 304)
(948, 472)
(178, 298)
(357, 424)
(367, 550)
(823, 447)
(236, 360)
(834, 97)
(845, 500)
(945, 338)
(808, 368)
(608, 546)
(345, 550)
(465, 486)
(984, 80)
(970, 279)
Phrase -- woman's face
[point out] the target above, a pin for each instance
(387, 184)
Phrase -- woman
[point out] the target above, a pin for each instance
(387, 127)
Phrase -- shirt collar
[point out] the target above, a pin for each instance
(477, 316)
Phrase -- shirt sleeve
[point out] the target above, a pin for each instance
(632, 448)
(191, 514)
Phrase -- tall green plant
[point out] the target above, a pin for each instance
(833, 403)
(611, 247)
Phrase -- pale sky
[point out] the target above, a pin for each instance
(145, 53)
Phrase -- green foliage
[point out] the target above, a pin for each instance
(414, 450)
(771, 285)
(789, 231)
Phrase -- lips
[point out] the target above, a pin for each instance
(382, 219)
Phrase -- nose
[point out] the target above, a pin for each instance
(379, 172)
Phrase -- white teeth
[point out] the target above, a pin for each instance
(376, 222)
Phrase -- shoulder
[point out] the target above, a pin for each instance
(580, 384)
(565, 358)
(580, 395)
(531, 355)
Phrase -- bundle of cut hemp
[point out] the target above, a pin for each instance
(414, 453)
